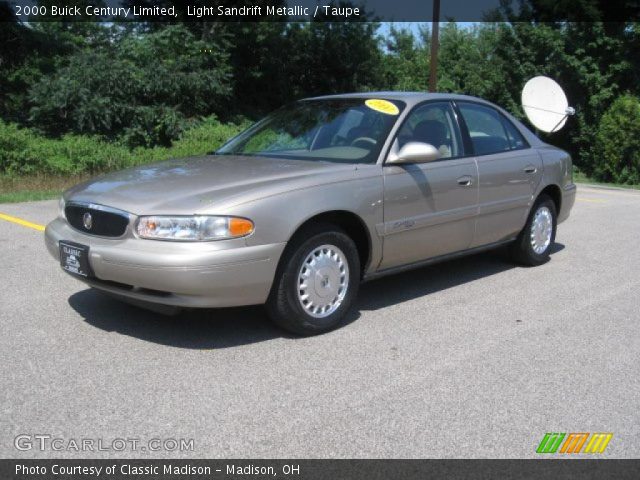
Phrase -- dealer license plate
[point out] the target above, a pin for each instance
(74, 258)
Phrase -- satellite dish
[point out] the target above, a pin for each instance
(545, 104)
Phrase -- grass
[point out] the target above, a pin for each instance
(38, 187)
(39, 168)
(579, 177)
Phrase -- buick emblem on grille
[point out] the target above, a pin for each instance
(87, 220)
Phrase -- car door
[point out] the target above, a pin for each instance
(429, 208)
(509, 172)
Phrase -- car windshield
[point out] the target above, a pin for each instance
(337, 130)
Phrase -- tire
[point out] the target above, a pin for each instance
(331, 265)
(531, 247)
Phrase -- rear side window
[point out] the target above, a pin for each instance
(490, 132)
(516, 139)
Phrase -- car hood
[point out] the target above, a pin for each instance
(197, 184)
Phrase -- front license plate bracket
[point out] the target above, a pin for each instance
(74, 258)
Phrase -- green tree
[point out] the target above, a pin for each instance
(594, 72)
(617, 146)
(144, 90)
(406, 62)
(324, 57)
(258, 53)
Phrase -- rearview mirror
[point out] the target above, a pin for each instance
(415, 152)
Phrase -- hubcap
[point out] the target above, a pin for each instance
(541, 230)
(323, 281)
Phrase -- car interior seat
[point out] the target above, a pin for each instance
(433, 132)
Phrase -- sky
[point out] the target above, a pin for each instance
(414, 27)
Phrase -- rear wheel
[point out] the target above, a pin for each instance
(534, 242)
(316, 282)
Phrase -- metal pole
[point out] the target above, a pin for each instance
(433, 67)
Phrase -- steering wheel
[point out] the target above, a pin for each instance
(366, 140)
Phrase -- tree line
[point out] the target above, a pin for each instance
(144, 85)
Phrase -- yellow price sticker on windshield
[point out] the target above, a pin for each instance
(383, 106)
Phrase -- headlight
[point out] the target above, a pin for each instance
(61, 207)
(193, 229)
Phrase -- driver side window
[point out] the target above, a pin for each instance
(432, 123)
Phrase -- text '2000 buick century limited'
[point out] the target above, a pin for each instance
(299, 209)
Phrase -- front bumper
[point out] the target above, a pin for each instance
(225, 273)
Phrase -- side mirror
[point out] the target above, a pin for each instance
(415, 152)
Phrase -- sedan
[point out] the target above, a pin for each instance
(323, 194)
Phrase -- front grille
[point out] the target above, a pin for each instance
(103, 221)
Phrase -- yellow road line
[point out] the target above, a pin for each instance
(592, 200)
(614, 193)
(22, 222)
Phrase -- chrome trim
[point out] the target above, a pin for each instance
(97, 206)
(103, 208)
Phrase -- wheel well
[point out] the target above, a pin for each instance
(556, 195)
(353, 226)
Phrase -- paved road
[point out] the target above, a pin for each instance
(473, 358)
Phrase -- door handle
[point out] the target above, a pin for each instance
(465, 181)
(530, 169)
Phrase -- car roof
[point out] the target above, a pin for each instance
(410, 98)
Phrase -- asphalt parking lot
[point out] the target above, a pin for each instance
(471, 358)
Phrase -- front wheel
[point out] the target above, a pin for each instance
(316, 282)
(534, 242)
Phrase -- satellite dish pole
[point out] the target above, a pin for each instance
(433, 64)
